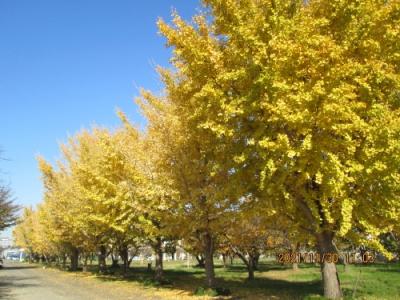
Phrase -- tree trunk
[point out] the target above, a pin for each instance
(200, 261)
(255, 259)
(249, 262)
(64, 260)
(125, 258)
(250, 269)
(343, 260)
(85, 265)
(158, 276)
(102, 258)
(330, 277)
(295, 266)
(295, 252)
(74, 257)
(209, 260)
(114, 259)
(224, 260)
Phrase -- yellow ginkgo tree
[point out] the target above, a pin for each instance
(155, 200)
(106, 185)
(23, 232)
(58, 213)
(304, 98)
(190, 169)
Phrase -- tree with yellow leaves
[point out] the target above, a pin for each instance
(304, 98)
(107, 194)
(23, 232)
(250, 233)
(61, 213)
(190, 166)
(105, 185)
(155, 204)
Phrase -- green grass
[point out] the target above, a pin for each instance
(273, 281)
(374, 281)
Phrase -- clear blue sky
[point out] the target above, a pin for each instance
(68, 64)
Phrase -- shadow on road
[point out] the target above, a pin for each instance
(11, 279)
(17, 267)
(10, 283)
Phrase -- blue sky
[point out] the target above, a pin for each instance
(66, 65)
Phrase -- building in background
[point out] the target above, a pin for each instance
(6, 242)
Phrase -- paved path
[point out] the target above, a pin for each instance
(28, 282)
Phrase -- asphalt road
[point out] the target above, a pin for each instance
(28, 282)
